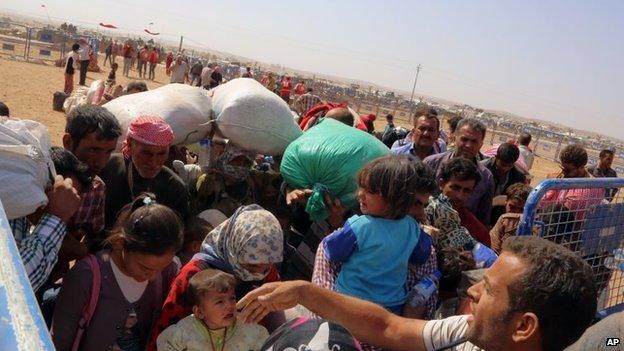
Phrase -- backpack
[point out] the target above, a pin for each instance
(89, 308)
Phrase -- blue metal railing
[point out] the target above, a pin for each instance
(595, 231)
(530, 208)
(21, 325)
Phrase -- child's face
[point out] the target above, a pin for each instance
(371, 204)
(217, 309)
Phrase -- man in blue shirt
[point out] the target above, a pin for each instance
(424, 136)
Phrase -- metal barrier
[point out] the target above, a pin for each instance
(21, 325)
(585, 215)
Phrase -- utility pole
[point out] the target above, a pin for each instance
(181, 40)
(415, 80)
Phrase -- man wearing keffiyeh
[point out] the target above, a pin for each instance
(141, 167)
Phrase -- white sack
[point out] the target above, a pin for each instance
(254, 118)
(185, 108)
(25, 166)
(77, 98)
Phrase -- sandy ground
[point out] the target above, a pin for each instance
(27, 88)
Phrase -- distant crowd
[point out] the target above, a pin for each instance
(141, 247)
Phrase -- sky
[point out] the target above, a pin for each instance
(557, 60)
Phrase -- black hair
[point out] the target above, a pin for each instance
(137, 85)
(508, 153)
(602, 154)
(518, 191)
(428, 113)
(389, 116)
(148, 227)
(574, 154)
(460, 168)
(209, 280)
(75, 47)
(453, 121)
(558, 286)
(473, 123)
(4, 109)
(66, 164)
(524, 138)
(397, 179)
(87, 119)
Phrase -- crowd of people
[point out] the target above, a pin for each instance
(133, 252)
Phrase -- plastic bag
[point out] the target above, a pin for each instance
(26, 168)
(327, 159)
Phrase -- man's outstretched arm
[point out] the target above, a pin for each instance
(366, 321)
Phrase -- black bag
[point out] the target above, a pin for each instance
(58, 100)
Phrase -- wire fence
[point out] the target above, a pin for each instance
(585, 215)
(38, 44)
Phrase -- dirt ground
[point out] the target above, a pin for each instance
(27, 88)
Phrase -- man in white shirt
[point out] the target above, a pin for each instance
(537, 296)
(179, 71)
(84, 54)
(527, 154)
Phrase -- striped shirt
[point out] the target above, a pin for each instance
(38, 245)
(307, 101)
(90, 214)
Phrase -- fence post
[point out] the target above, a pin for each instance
(27, 44)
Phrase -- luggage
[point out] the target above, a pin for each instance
(187, 109)
(57, 100)
(327, 159)
(254, 118)
(26, 168)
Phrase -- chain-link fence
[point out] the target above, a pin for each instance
(38, 44)
(585, 215)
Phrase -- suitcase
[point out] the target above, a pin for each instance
(58, 100)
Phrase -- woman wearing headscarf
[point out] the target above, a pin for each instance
(227, 184)
(247, 245)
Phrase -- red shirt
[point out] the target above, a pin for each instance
(474, 226)
(127, 51)
(154, 57)
(286, 87)
(300, 89)
(144, 55)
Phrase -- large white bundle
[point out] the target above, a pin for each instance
(77, 98)
(254, 118)
(187, 109)
(25, 166)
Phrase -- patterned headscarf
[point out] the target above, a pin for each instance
(222, 163)
(252, 236)
(150, 130)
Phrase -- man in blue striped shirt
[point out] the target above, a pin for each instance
(423, 139)
(39, 244)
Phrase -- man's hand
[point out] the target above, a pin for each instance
(63, 199)
(298, 196)
(268, 298)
